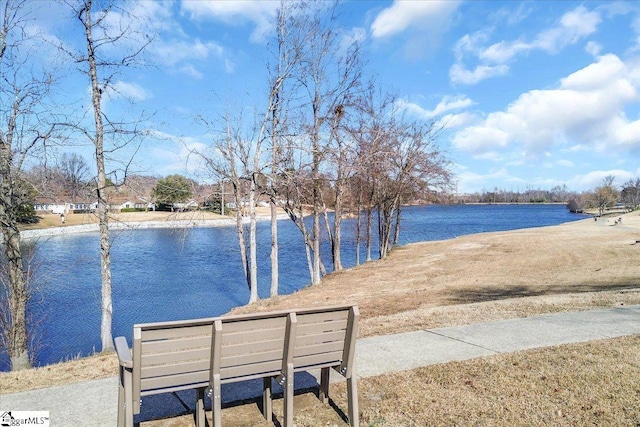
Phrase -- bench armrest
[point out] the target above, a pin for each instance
(124, 354)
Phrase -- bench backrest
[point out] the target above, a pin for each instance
(170, 356)
(324, 337)
(248, 346)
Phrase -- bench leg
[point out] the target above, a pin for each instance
(267, 409)
(352, 392)
(200, 407)
(288, 396)
(125, 401)
(324, 385)
(216, 401)
(121, 399)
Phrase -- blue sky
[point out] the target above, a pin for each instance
(533, 94)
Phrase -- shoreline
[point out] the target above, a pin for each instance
(36, 233)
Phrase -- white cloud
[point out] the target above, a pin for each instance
(593, 48)
(502, 52)
(471, 43)
(453, 121)
(565, 163)
(175, 52)
(405, 14)
(469, 182)
(448, 103)
(574, 26)
(356, 35)
(421, 22)
(132, 91)
(481, 139)
(170, 47)
(460, 75)
(178, 154)
(593, 179)
(260, 13)
(190, 70)
(587, 110)
(183, 55)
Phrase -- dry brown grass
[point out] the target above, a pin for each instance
(594, 383)
(474, 278)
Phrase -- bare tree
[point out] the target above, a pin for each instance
(242, 156)
(22, 130)
(231, 158)
(398, 160)
(289, 42)
(631, 193)
(327, 77)
(101, 65)
(371, 131)
(75, 175)
(605, 196)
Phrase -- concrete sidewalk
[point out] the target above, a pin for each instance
(93, 403)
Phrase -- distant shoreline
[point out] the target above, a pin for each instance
(137, 225)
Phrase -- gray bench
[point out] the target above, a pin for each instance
(196, 354)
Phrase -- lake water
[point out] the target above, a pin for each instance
(171, 274)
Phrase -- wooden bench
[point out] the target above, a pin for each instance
(172, 356)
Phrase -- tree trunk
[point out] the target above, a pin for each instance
(369, 230)
(274, 249)
(336, 242)
(359, 228)
(105, 271)
(18, 293)
(396, 234)
(253, 263)
(103, 217)
(240, 232)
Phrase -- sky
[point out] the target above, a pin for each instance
(533, 94)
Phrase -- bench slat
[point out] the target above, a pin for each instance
(176, 344)
(251, 335)
(255, 347)
(320, 338)
(175, 332)
(254, 324)
(175, 357)
(247, 359)
(174, 369)
(323, 348)
(183, 379)
(270, 367)
(314, 328)
(202, 384)
(330, 358)
(322, 316)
